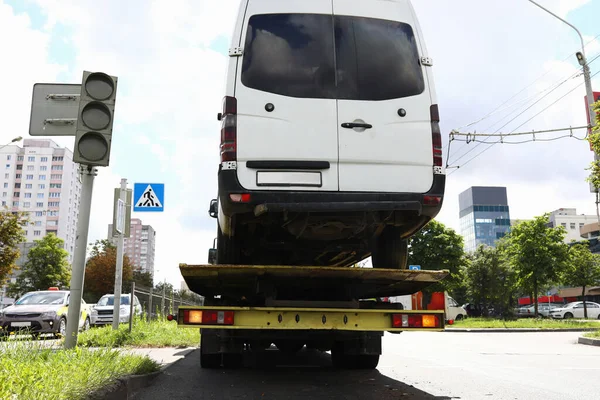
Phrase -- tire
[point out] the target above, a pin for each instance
(390, 250)
(568, 315)
(366, 361)
(208, 360)
(86, 325)
(289, 346)
(346, 361)
(233, 360)
(62, 328)
(228, 251)
(459, 317)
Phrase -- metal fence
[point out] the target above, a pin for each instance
(157, 304)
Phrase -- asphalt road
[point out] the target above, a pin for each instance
(415, 365)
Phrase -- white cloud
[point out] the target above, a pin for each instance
(24, 62)
(171, 84)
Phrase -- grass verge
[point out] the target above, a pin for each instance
(156, 333)
(524, 323)
(31, 371)
(593, 335)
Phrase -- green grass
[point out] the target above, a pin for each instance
(156, 333)
(524, 323)
(593, 335)
(29, 370)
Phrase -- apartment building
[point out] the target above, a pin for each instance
(41, 178)
(139, 247)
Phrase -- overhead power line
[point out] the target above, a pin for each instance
(494, 143)
(551, 89)
(522, 90)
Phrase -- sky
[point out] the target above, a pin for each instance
(170, 57)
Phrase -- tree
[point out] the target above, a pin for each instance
(583, 269)
(167, 287)
(100, 270)
(47, 266)
(537, 253)
(11, 234)
(594, 140)
(490, 280)
(142, 278)
(437, 247)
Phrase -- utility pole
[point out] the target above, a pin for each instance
(78, 266)
(119, 269)
(85, 111)
(588, 88)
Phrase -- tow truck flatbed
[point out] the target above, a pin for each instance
(307, 283)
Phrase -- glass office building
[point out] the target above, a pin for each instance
(484, 215)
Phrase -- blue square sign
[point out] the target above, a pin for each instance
(149, 197)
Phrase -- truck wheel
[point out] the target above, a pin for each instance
(362, 361)
(227, 249)
(233, 360)
(366, 361)
(390, 250)
(208, 360)
(289, 346)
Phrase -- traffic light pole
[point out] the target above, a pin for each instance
(119, 266)
(78, 270)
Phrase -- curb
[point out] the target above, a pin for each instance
(516, 330)
(588, 341)
(127, 386)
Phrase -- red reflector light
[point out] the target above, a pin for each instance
(240, 198)
(53, 288)
(229, 105)
(436, 135)
(229, 129)
(208, 317)
(434, 112)
(432, 200)
(415, 321)
(169, 317)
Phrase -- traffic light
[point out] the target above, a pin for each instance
(95, 119)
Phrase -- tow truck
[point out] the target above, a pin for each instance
(247, 308)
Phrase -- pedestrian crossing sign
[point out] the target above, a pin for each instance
(149, 197)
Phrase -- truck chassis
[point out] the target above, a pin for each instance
(251, 312)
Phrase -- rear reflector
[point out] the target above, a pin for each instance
(436, 135)
(240, 198)
(432, 200)
(415, 321)
(207, 317)
(229, 129)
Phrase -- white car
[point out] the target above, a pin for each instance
(454, 311)
(575, 310)
(331, 149)
(102, 312)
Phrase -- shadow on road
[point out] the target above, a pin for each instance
(308, 375)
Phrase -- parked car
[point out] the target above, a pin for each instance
(544, 310)
(575, 310)
(453, 310)
(102, 311)
(41, 312)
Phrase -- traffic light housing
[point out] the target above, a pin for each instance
(95, 119)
